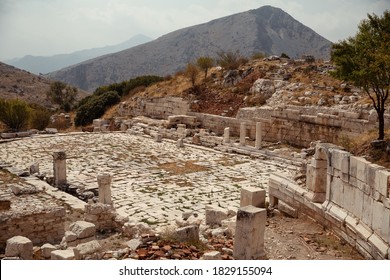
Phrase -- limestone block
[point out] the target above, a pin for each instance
(381, 220)
(249, 234)
(379, 246)
(189, 233)
(69, 236)
(104, 182)
(63, 254)
(340, 160)
(367, 210)
(336, 191)
(382, 182)
(180, 143)
(19, 246)
(252, 196)
(85, 249)
(215, 215)
(47, 249)
(213, 255)
(358, 204)
(348, 199)
(83, 229)
(34, 168)
(358, 168)
(287, 209)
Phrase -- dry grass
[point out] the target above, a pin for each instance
(179, 168)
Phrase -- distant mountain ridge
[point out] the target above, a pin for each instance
(46, 64)
(267, 29)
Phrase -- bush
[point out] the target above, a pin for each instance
(40, 118)
(125, 87)
(14, 113)
(95, 106)
(230, 60)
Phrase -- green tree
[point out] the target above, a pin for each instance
(205, 63)
(365, 60)
(14, 113)
(192, 72)
(63, 95)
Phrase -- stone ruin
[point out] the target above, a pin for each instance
(346, 194)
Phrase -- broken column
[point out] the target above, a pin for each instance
(249, 236)
(316, 174)
(180, 143)
(226, 135)
(243, 134)
(59, 167)
(104, 182)
(258, 135)
(252, 196)
(181, 130)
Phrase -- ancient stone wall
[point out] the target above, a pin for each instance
(296, 125)
(159, 107)
(40, 225)
(345, 193)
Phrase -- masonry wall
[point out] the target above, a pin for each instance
(159, 107)
(355, 203)
(295, 125)
(40, 227)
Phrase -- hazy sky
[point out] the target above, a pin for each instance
(47, 27)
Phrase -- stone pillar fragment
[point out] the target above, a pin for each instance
(181, 130)
(252, 196)
(258, 135)
(104, 182)
(180, 143)
(226, 135)
(243, 134)
(249, 236)
(158, 138)
(59, 167)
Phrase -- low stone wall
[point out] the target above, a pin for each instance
(40, 226)
(345, 193)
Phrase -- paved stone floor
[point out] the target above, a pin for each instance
(152, 182)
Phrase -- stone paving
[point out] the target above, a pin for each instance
(152, 182)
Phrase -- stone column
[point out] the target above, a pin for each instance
(59, 168)
(258, 135)
(226, 135)
(104, 183)
(252, 196)
(180, 143)
(249, 236)
(181, 130)
(242, 134)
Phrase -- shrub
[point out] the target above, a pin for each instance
(14, 113)
(230, 60)
(63, 95)
(95, 106)
(40, 118)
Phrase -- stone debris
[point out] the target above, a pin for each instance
(19, 246)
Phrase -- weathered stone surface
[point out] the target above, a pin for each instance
(63, 254)
(249, 235)
(215, 215)
(252, 196)
(83, 229)
(287, 209)
(189, 233)
(104, 183)
(19, 246)
(134, 244)
(89, 248)
(47, 249)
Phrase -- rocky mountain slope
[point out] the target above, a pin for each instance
(46, 64)
(20, 84)
(267, 29)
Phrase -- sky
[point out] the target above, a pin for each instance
(48, 27)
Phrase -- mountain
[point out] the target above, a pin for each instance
(46, 64)
(20, 84)
(267, 29)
